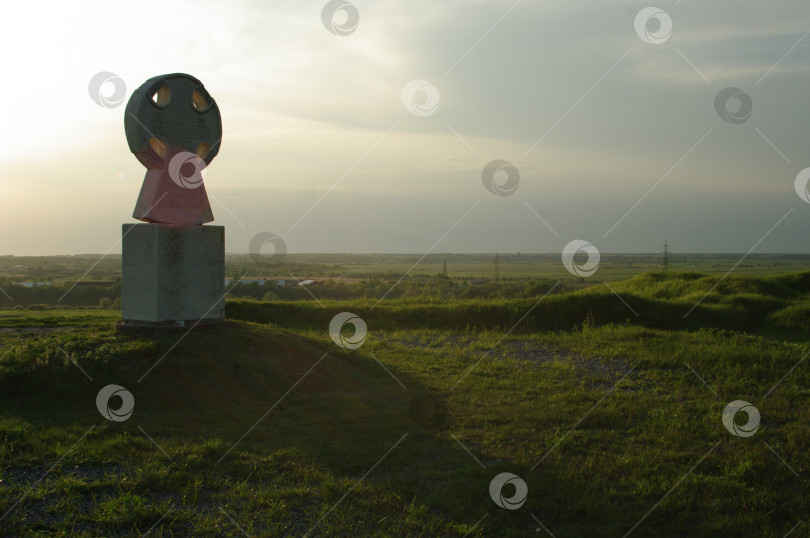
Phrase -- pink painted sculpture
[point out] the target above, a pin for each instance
(174, 128)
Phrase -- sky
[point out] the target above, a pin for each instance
(606, 119)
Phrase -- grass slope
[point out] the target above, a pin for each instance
(601, 412)
(778, 303)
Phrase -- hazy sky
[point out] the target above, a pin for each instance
(320, 148)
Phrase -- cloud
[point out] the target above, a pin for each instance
(305, 111)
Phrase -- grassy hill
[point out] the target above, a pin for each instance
(610, 412)
(667, 301)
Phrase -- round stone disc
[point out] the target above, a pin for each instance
(172, 113)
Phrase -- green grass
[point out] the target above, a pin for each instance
(606, 399)
(775, 304)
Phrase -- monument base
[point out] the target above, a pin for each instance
(172, 276)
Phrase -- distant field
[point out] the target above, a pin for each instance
(606, 402)
(613, 267)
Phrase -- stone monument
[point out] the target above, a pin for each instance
(173, 267)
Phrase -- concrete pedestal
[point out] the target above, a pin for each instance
(172, 275)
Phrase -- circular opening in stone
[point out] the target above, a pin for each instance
(203, 150)
(159, 147)
(201, 100)
(162, 94)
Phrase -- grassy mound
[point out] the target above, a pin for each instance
(672, 301)
(204, 402)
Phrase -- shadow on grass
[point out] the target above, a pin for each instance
(242, 392)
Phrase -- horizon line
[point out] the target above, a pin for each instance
(521, 253)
